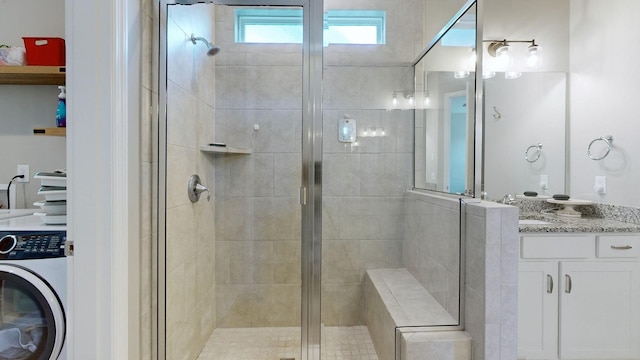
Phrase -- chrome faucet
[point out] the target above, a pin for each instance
(508, 199)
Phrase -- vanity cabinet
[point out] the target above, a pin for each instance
(579, 297)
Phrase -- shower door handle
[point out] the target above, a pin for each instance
(195, 188)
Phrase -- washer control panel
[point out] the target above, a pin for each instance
(21, 245)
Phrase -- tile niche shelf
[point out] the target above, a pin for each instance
(32, 75)
(224, 150)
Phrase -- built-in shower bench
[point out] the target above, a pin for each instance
(394, 299)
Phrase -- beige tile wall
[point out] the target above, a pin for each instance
(491, 280)
(431, 249)
(149, 166)
(257, 212)
(190, 232)
(491, 266)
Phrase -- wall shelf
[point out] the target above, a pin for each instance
(56, 131)
(224, 150)
(32, 75)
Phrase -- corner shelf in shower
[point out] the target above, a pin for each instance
(224, 150)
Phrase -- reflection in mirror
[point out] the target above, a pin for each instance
(525, 121)
(445, 111)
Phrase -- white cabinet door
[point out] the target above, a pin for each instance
(599, 310)
(538, 310)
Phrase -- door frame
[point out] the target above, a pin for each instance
(311, 180)
(447, 134)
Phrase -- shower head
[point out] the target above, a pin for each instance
(211, 49)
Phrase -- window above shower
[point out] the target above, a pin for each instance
(284, 26)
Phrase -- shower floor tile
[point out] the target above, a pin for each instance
(338, 343)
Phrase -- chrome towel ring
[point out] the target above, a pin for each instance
(537, 153)
(608, 140)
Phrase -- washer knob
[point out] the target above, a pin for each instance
(7, 244)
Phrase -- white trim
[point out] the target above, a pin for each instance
(103, 162)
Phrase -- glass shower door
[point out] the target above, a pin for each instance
(232, 280)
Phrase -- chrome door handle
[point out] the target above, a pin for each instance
(569, 284)
(549, 284)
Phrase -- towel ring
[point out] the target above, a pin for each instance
(607, 140)
(538, 152)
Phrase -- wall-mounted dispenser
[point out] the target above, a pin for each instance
(347, 129)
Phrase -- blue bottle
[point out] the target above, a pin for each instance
(61, 112)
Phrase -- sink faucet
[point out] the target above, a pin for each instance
(508, 199)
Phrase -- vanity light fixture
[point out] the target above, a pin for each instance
(500, 49)
(407, 94)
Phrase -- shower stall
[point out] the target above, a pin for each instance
(306, 149)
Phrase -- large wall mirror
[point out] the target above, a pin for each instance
(525, 122)
(445, 108)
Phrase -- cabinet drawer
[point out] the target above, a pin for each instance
(618, 246)
(565, 247)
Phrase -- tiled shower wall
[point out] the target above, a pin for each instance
(363, 183)
(491, 266)
(257, 217)
(431, 252)
(258, 106)
(190, 235)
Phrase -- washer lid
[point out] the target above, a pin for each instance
(11, 213)
(28, 223)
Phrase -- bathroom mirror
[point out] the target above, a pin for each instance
(524, 137)
(445, 109)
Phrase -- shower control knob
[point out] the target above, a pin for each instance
(195, 188)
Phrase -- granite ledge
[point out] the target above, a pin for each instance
(557, 224)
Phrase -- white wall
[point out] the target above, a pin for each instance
(23, 107)
(604, 97)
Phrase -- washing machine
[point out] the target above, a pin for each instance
(33, 287)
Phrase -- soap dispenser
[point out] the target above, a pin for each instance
(61, 112)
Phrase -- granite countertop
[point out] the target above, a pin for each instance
(586, 224)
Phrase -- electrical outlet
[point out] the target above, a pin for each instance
(600, 185)
(544, 182)
(23, 170)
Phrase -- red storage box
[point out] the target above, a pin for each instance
(45, 51)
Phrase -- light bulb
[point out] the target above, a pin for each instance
(503, 57)
(488, 74)
(411, 101)
(394, 100)
(460, 74)
(473, 58)
(427, 99)
(512, 75)
(534, 59)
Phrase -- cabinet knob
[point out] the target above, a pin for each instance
(568, 286)
(549, 284)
